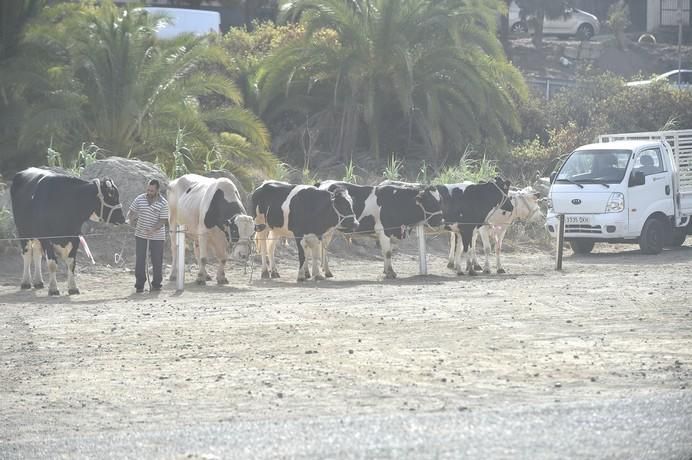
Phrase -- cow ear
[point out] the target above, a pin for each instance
(536, 195)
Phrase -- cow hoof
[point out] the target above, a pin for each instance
(26, 286)
(472, 273)
(301, 280)
(222, 281)
(53, 292)
(208, 277)
(477, 267)
(501, 271)
(319, 278)
(265, 274)
(390, 275)
(38, 286)
(201, 281)
(275, 274)
(307, 274)
(450, 265)
(486, 271)
(328, 274)
(73, 291)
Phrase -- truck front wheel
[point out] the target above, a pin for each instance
(581, 246)
(653, 236)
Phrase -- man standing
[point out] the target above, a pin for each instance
(149, 213)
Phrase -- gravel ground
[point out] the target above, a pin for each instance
(595, 361)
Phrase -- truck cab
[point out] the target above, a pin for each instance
(629, 188)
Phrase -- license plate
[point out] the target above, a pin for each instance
(577, 220)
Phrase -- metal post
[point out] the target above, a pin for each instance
(422, 259)
(679, 42)
(547, 89)
(180, 241)
(560, 242)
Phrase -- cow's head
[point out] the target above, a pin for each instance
(527, 204)
(343, 206)
(429, 201)
(108, 208)
(503, 186)
(239, 230)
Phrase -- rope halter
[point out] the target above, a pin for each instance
(101, 198)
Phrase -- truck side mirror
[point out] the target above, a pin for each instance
(637, 178)
(553, 175)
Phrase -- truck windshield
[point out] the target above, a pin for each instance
(595, 167)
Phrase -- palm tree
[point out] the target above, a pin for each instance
(132, 94)
(424, 75)
(20, 76)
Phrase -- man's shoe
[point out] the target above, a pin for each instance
(155, 288)
(140, 290)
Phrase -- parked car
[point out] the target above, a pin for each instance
(574, 23)
(671, 77)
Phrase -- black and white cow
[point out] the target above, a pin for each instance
(49, 210)
(214, 216)
(466, 207)
(303, 212)
(526, 208)
(389, 210)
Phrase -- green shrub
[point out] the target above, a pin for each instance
(467, 169)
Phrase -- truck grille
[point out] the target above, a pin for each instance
(589, 229)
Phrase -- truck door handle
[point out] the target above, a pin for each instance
(667, 189)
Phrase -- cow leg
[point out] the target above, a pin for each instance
(452, 249)
(467, 237)
(221, 256)
(308, 254)
(301, 258)
(174, 253)
(498, 248)
(315, 246)
(37, 256)
(69, 255)
(202, 275)
(484, 233)
(326, 239)
(26, 246)
(52, 263)
(271, 247)
(458, 247)
(386, 245)
(261, 243)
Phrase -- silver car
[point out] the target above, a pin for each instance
(575, 23)
(672, 77)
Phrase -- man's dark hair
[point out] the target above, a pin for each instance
(155, 182)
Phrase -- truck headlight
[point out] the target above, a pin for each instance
(616, 202)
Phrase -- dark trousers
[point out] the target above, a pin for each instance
(156, 257)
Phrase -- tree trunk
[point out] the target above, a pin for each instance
(538, 28)
(504, 32)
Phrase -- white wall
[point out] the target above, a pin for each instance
(653, 15)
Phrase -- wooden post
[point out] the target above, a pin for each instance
(560, 242)
(180, 241)
(422, 259)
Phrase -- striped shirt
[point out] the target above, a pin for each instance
(148, 216)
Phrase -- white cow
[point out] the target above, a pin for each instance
(526, 208)
(214, 216)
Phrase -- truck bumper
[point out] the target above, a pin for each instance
(602, 227)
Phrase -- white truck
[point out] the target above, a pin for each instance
(625, 188)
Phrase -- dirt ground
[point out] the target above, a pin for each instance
(614, 323)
